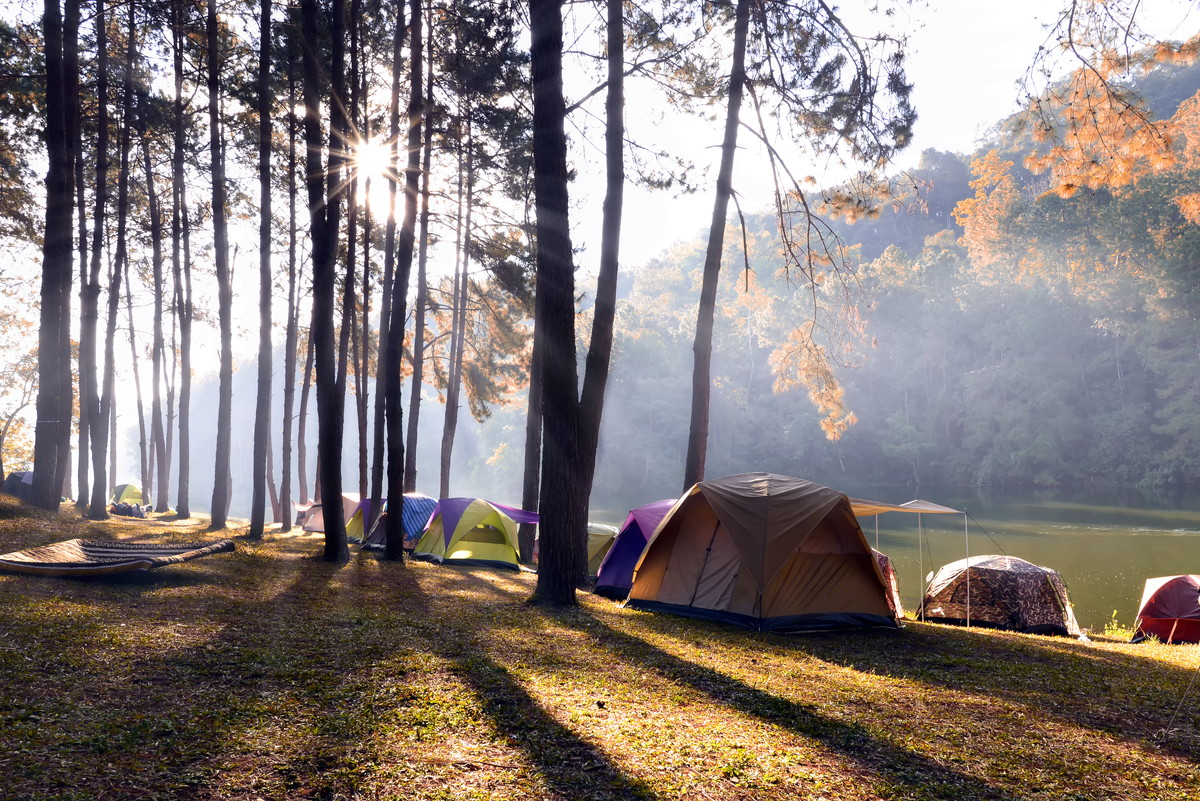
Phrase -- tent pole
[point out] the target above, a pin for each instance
(967, 545)
(877, 532)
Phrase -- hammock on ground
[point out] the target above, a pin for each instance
(97, 557)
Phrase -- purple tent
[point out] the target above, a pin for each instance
(615, 576)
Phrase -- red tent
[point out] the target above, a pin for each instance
(1170, 609)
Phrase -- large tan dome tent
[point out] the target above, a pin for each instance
(766, 552)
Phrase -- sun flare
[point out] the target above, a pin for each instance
(371, 160)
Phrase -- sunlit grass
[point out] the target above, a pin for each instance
(270, 674)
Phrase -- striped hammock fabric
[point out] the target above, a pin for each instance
(97, 557)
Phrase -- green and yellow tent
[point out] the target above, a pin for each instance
(127, 493)
(472, 531)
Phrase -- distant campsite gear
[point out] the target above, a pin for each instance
(863, 509)
(1006, 593)
(128, 493)
(311, 516)
(600, 540)
(600, 537)
(614, 577)
(127, 509)
(97, 557)
(413, 520)
(1170, 610)
(356, 521)
(472, 531)
(893, 584)
(765, 552)
(20, 485)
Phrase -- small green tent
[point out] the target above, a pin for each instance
(128, 493)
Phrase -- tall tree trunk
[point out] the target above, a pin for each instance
(75, 138)
(324, 202)
(362, 193)
(458, 313)
(102, 490)
(394, 532)
(422, 298)
(89, 394)
(272, 489)
(591, 404)
(702, 349)
(262, 409)
(183, 504)
(384, 368)
(302, 424)
(554, 314)
(54, 373)
(112, 448)
(532, 475)
(221, 474)
(157, 440)
(134, 362)
(290, 337)
(363, 371)
(181, 265)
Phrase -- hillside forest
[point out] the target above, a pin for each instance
(329, 246)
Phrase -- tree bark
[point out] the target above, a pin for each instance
(102, 489)
(532, 475)
(458, 315)
(186, 313)
(384, 369)
(290, 337)
(394, 532)
(554, 315)
(421, 300)
(134, 362)
(75, 140)
(157, 440)
(89, 394)
(302, 425)
(54, 390)
(262, 409)
(702, 348)
(221, 473)
(591, 404)
(181, 266)
(324, 203)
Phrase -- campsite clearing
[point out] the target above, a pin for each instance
(270, 674)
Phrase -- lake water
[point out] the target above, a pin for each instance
(1105, 545)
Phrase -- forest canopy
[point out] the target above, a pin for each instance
(981, 318)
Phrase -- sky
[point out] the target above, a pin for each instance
(965, 60)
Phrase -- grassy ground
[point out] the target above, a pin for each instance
(268, 674)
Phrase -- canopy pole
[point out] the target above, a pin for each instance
(877, 532)
(967, 545)
(921, 563)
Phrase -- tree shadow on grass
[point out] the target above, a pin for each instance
(914, 775)
(1057, 678)
(257, 695)
(568, 765)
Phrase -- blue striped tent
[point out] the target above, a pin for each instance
(417, 509)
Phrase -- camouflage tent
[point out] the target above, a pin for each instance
(1001, 592)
